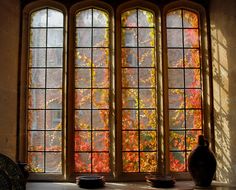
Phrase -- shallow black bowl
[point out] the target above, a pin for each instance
(90, 182)
(160, 181)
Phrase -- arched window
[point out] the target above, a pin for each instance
(122, 95)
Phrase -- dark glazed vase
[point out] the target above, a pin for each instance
(202, 163)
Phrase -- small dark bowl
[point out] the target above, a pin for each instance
(161, 181)
(90, 182)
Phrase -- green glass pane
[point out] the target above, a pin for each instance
(175, 58)
(129, 57)
(193, 98)
(147, 57)
(130, 140)
(148, 140)
(36, 161)
(130, 162)
(36, 78)
(192, 78)
(54, 99)
(175, 78)
(176, 119)
(39, 18)
(192, 139)
(100, 18)
(148, 162)
(54, 78)
(100, 141)
(148, 119)
(53, 141)
(83, 99)
(55, 18)
(129, 37)
(176, 98)
(129, 77)
(100, 99)
(35, 141)
(129, 18)
(129, 119)
(100, 78)
(174, 19)
(84, 37)
(146, 37)
(194, 119)
(82, 162)
(83, 57)
(177, 140)
(82, 141)
(53, 162)
(53, 119)
(84, 18)
(101, 162)
(192, 58)
(100, 119)
(147, 98)
(129, 98)
(191, 38)
(36, 99)
(190, 19)
(145, 19)
(82, 78)
(35, 119)
(177, 162)
(82, 119)
(147, 78)
(101, 37)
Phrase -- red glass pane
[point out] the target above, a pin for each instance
(129, 119)
(101, 162)
(177, 162)
(130, 140)
(192, 78)
(190, 19)
(191, 38)
(82, 141)
(82, 162)
(192, 58)
(194, 119)
(192, 139)
(130, 161)
(193, 98)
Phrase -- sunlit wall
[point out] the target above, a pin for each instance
(223, 32)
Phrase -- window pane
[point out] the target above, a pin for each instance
(184, 82)
(92, 93)
(138, 87)
(45, 84)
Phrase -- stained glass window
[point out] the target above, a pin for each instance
(184, 85)
(139, 99)
(92, 89)
(45, 86)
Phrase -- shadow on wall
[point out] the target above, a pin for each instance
(223, 36)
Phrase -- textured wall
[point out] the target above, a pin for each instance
(223, 34)
(9, 42)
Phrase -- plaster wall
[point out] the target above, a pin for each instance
(223, 37)
(9, 43)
